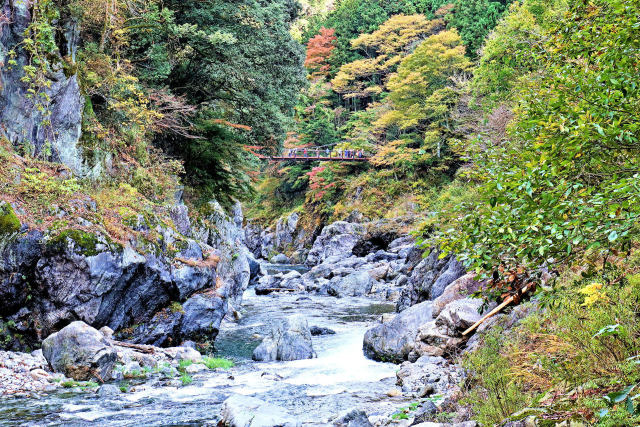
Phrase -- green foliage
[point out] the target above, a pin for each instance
(352, 18)
(475, 18)
(186, 379)
(176, 307)
(569, 179)
(42, 187)
(238, 58)
(217, 363)
(493, 393)
(507, 53)
(421, 97)
(215, 162)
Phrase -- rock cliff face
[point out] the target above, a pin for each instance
(23, 123)
(47, 282)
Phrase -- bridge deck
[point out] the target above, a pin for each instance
(317, 158)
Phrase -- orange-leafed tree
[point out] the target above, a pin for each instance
(319, 50)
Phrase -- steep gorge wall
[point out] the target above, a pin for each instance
(49, 123)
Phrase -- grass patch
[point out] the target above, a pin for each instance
(186, 379)
(216, 362)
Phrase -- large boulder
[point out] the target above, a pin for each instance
(246, 411)
(459, 315)
(289, 339)
(203, 314)
(461, 288)
(433, 340)
(394, 340)
(337, 239)
(353, 285)
(80, 352)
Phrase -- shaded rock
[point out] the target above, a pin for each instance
(429, 278)
(80, 352)
(246, 411)
(394, 340)
(317, 330)
(289, 339)
(202, 316)
(425, 412)
(162, 330)
(353, 418)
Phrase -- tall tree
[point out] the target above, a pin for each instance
(319, 50)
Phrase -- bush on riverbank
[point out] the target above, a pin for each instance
(570, 359)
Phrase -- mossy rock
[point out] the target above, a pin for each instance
(86, 242)
(9, 222)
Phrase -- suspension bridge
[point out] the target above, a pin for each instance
(319, 154)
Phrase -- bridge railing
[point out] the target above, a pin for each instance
(326, 154)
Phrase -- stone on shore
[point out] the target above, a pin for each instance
(353, 418)
(394, 340)
(80, 352)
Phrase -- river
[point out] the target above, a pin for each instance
(314, 390)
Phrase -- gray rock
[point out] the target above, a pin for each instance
(108, 390)
(429, 278)
(433, 340)
(460, 288)
(337, 239)
(246, 411)
(434, 374)
(180, 216)
(22, 120)
(459, 315)
(80, 352)
(289, 339)
(355, 284)
(425, 412)
(280, 259)
(353, 418)
(202, 316)
(394, 340)
(317, 330)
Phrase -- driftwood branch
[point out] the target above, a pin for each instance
(149, 349)
(499, 308)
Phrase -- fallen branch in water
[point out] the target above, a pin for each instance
(499, 308)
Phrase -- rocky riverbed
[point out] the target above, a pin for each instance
(364, 332)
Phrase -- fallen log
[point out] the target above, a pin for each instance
(149, 349)
(499, 308)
